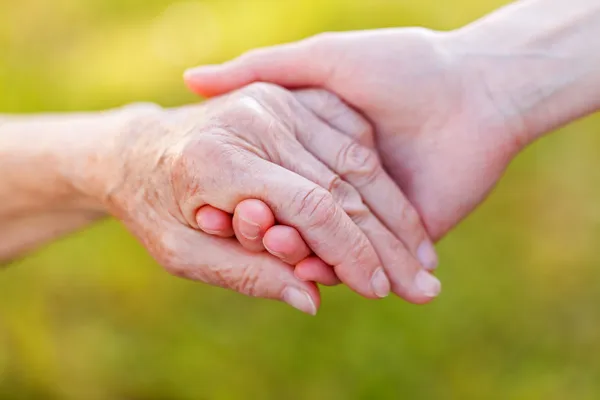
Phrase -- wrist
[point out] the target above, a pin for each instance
(536, 62)
(56, 169)
(101, 165)
(46, 162)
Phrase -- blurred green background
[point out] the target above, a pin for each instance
(93, 317)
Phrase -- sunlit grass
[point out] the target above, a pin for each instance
(93, 317)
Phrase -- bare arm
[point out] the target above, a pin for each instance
(58, 173)
(45, 164)
(154, 169)
(451, 109)
(541, 59)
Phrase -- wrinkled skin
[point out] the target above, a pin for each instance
(258, 143)
(442, 132)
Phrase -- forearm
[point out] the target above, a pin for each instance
(49, 168)
(540, 59)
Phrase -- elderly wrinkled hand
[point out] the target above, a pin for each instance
(263, 143)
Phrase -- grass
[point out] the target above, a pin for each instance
(93, 317)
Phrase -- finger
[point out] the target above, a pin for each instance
(251, 219)
(285, 243)
(408, 279)
(295, 201)
(225, 263)
(401, 273)
(214, 221)
(360, 166)
(282, 241)
(371, 279)
(300, 64)
(340, 116)
(313, 269)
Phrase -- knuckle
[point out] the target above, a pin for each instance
(274, 105)
(261, 88)
(364, 132)
(364, 254)
(189, 177)
(398, 253)
(331, 105)
(249, 103)
(360, 214)
(409, 219)
(347, 197)
(338, 113)
(336, 184)
(317, 205)
(266, 93)
(359, 164)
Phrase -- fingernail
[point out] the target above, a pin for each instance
(427, 255)
(380, 283)
(204, 224)
(200, 220)
(300, 300)
(249, 230)
(428, 284)
(274, 253)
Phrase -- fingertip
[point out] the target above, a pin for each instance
(305, 298)
(313, 269)
(251, 219)
(425, 288)
(214, 221)
(218, 79)
(256, 212)
(202, 80)
(427, 284)
(380, 283)
(286, 243)
(427, 255)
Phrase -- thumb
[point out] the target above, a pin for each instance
(301, 64)
(225, 263)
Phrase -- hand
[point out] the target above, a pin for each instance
(441, 131)
(248, 145)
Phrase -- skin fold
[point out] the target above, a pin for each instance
(387, 141)
(450, 109)
(156, 169)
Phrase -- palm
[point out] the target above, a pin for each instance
(438, 130)
(432, 124)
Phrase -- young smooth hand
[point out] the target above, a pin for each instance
(450, 109)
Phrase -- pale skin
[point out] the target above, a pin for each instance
(156, 169)
(450, 109)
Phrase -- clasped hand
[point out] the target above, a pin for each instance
(309, 159)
